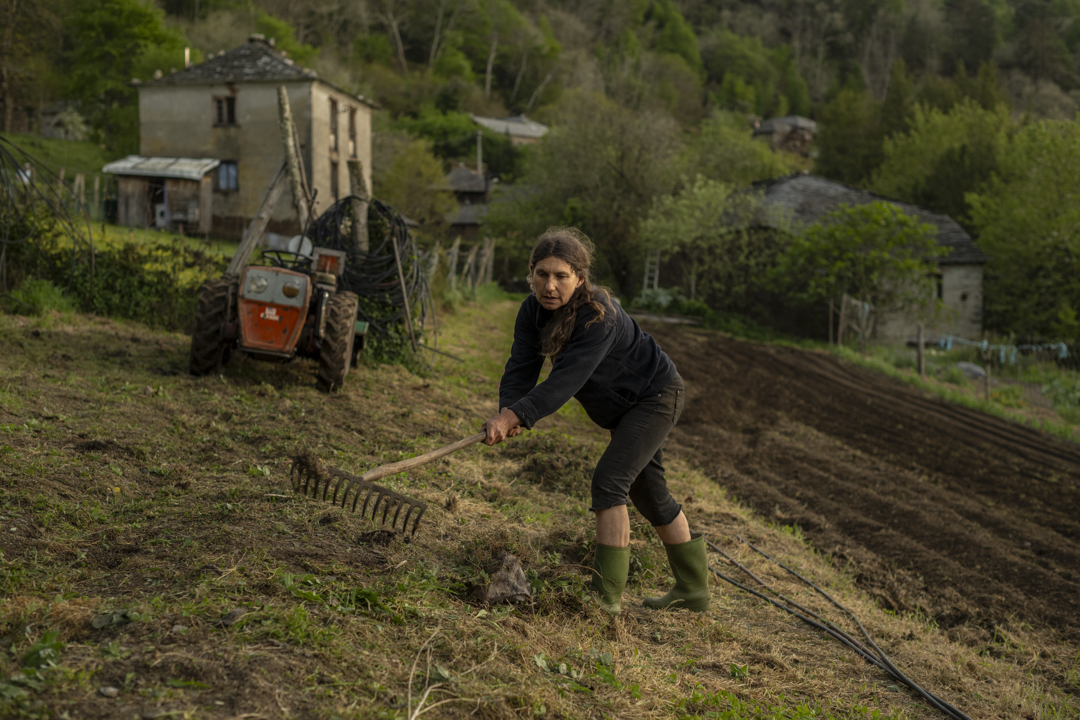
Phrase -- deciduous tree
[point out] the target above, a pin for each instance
(1028, 220)
(874, 253)
(599, 168)
(705, 229)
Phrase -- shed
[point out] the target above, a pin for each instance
(164, 192)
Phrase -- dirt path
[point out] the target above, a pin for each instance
(972, 519)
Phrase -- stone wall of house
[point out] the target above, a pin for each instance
(961, 293)
(324, 155)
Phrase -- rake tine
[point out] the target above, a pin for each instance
(416, 520)
(397, 511)
(372, 490)
(342, 478)
(408, 514)
(361, 487)
(390, 500)
(350, 487)
(400, 505)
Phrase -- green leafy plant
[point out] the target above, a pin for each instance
(38, 297)
(874, 253)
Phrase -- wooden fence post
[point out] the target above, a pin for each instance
(921, 351)
(451, 263)
(489, 267)
(843, 315)
(830, 321)
(469, 269)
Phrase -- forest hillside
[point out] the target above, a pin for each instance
(962, 106)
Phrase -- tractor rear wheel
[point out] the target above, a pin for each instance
(217, 305)
(335, 354)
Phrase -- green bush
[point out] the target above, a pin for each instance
(39, 297)
(153, 284)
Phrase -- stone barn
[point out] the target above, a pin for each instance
(226, 108)
(801, 199)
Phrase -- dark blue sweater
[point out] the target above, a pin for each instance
(607, 366)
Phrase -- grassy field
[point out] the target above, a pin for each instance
(73, 156)
(156, 563)
(1033, 392)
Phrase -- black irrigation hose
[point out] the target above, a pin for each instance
(848, 639)
(373, 274)
(879, 660)
(893, 670)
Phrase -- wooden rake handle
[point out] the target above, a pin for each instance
(403, 465)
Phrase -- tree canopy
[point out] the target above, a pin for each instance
(1027, 217)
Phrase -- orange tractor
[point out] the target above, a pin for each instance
(288, 308)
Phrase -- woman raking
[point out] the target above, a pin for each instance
(628, 386)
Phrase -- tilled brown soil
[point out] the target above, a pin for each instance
(968, 518)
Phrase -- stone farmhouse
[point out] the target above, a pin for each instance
(226, 109)
(800, 199)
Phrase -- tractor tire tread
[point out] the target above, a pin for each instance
(217, 300)
(335, 355)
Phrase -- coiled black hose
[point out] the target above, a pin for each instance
(373, 274)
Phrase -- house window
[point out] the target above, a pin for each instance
(939, 282)
(228, 176)
(333, 126)
(352, 132)
(334, 187)
(225, 111)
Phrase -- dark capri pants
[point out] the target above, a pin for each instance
(632, 466)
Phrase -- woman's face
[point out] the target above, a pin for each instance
(554, 281)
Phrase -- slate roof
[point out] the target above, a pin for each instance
(514, 126)
(183, 168)
(785, 124)
(806, 199)
(254, 61)
(462, 179)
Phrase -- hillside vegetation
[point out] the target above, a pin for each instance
(963, 106)
(156, 562)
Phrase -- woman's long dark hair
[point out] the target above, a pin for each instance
(573, 247)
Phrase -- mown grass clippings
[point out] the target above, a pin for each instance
(141, 508)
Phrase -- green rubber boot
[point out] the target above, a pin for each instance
(610, 567)
(690, 566)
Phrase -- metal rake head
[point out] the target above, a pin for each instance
(348, 490)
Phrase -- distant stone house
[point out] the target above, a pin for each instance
(791, 133)
(799, 200)
(471, 190)
(226, 108)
